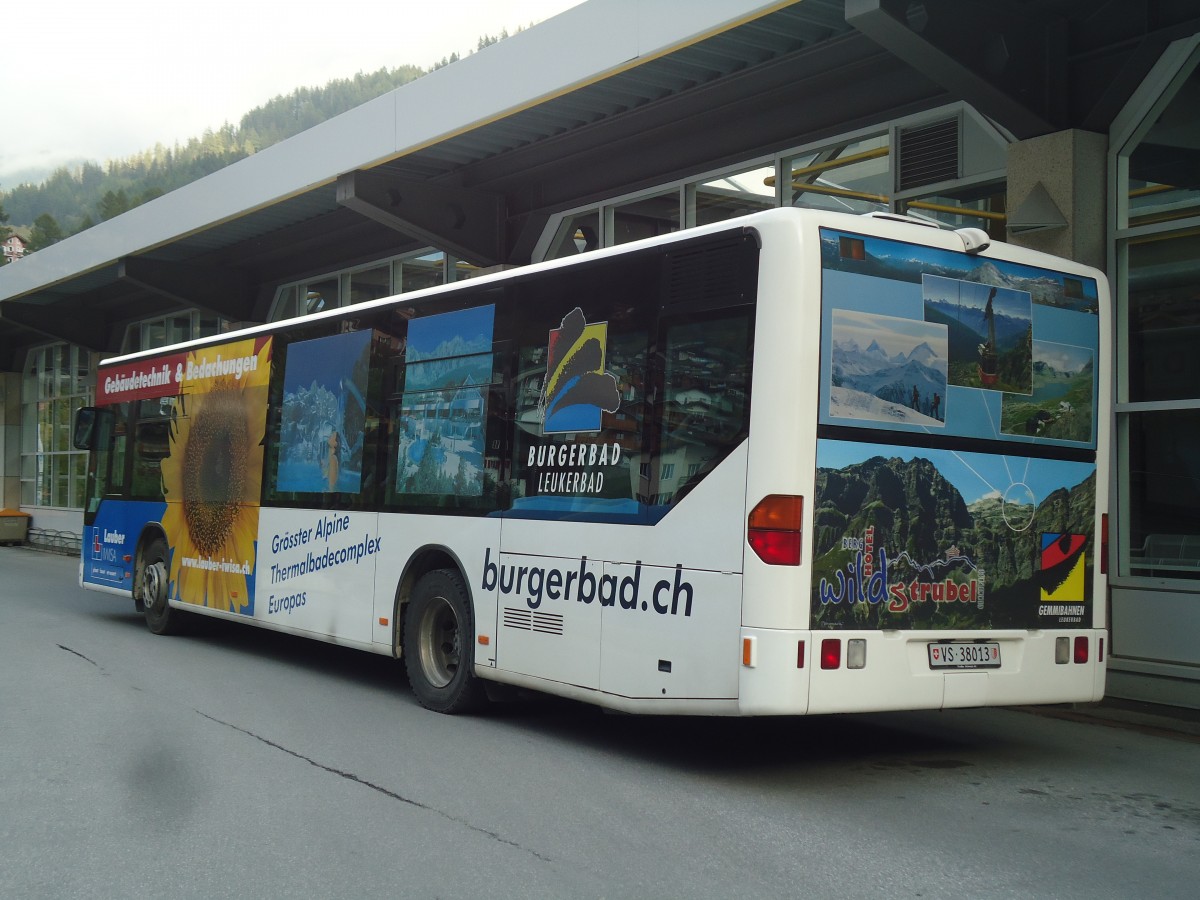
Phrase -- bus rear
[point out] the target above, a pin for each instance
(927, 482)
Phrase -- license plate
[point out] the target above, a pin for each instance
(964, 656)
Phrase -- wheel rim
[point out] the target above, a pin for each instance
(438, 643)
(154, 585)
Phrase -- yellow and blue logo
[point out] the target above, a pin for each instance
(577, 390)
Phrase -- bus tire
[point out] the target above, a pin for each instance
(160, 617)
(439, 644)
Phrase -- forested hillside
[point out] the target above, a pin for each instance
(78, 198)
(75, 198)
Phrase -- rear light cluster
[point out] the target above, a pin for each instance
(831, 653)
(774, 529)
(1076, 650)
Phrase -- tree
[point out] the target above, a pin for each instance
(76, 196)
(45, 232)
(5, 231)
(113, 204)
(486, 40)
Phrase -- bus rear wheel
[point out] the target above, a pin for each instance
(160, 617)
(439, 637)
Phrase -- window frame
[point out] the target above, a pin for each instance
(1157, 92)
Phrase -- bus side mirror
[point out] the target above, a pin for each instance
(87, 427)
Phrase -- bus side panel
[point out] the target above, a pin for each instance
(316, 571)
(690, 648)
(110, 542)
(473, 542)
(783, 417)
(549, 616)
(667, 595)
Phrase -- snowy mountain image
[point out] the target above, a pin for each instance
(923, 354)
(323, 413)
(963, 305)
(901, 375)
(898, 261)
(1046, 288)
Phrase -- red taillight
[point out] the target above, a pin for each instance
(831, 653)
(1104, 544)
(776, 548)
(799, 654)
(774, 529)
(1081, 649)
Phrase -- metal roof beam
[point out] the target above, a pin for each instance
(995, 57)
(221, 292)
(67, 319)
(466, 223)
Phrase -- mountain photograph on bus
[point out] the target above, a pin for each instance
(941, 539)
(321, 427)
(887, 369)
(990, 332)
(900, 261)
(975, 323)
(1060, 407)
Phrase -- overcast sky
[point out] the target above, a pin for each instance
(100, 80)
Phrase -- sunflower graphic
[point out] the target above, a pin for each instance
(213, 475)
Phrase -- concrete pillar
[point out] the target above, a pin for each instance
(10, 440)
(1063, 173)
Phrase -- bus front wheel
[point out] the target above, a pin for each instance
(439, 647)
(160, 617)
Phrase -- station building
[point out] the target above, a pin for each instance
(1068, 126)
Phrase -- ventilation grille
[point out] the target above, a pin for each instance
(928, 154)
(531, 620)
(713, 274)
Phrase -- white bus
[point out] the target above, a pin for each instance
(796, 463)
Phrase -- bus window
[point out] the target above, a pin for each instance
(706, 398)
(117, 479)
(439, 410)
(580, 399)
(151, 445)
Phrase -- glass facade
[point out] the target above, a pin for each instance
(731, 195)
(975, 206)
(947, 180)
(57, 382)
(1162, 182)
(847, 176)
(1157, 243)
(151, 334)
(385, 278)
(645, 217)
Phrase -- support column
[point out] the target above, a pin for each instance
(10, 440)
(1057, 195)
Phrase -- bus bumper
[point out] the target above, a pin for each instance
(798, 672)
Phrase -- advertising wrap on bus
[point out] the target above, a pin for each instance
(956, 482)
(197, 443)
(719, 472)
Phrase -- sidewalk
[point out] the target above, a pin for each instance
(1152, 718)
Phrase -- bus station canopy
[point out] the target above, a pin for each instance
(607, 97)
